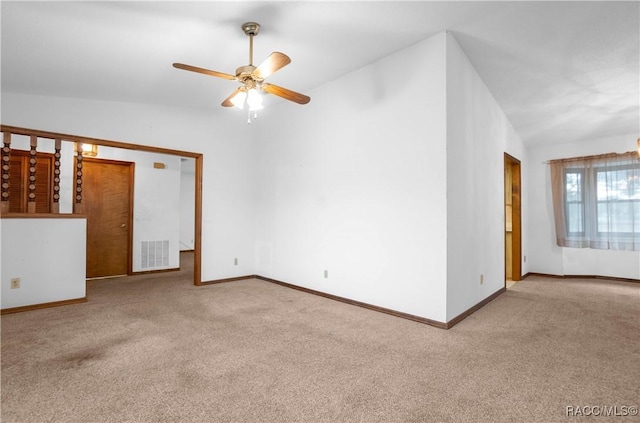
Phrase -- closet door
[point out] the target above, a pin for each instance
(107, 191)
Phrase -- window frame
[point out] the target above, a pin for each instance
(590, 202)
(597, 202)
(582, 172)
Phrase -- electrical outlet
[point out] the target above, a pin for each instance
(481, 279)
(235, 261)
(15, 283)
(525, 259)
(326, 274)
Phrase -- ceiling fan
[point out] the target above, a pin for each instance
(252, 78)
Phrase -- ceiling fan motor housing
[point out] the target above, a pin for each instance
(243, 73)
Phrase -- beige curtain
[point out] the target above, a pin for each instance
(596, 201)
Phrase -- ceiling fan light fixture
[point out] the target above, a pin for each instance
(239, 99)
(252, 78)
(254, 100)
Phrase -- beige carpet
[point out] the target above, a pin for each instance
(157, 349)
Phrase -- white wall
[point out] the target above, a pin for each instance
(478, 135)
(187, 204)
(546, 256)
(396, 190)
(355, 183)
(227, 145)
(58, 248)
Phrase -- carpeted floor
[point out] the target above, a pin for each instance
(154, 348)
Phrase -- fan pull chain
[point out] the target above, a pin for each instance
(255, 115)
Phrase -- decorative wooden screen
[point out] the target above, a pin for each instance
(78, 208)
(55, 207)
(33, 162)
(6, 177)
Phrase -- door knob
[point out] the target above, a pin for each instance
(123, 225)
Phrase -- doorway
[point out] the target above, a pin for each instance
(187, 204)
(513, 220)
(107, 191)
(198, 159)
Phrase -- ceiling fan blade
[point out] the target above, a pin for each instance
(285, 93)
(204, 71)
(227, 101)
(271, 65)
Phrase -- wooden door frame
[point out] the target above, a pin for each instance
(516, 216)
(132, 175)
(197, 256)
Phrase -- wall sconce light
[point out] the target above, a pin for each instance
(88, 150)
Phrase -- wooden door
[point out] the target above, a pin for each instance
(107, 191)
(513, 219)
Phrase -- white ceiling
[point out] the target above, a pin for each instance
(562, 71)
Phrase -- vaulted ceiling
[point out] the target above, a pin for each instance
(561, 71)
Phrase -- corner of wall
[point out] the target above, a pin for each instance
(478, 135)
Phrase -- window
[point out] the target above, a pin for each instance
(574, 201)
(19, 182)
(618, 200)
(596, 201)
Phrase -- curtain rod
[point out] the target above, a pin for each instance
(595, 156)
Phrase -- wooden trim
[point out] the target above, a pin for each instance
(146, 272)
(6, 166)
(606, 278)
(78, 172)
(611, 278)
(545, 275)
(442, 325)
(197, 230)
(516, 217)
(460, 317)
(592, 157)
(95, 141)
(132, 184)
(108, 161)
(42, 216)
(55, 193)
(43, 305)
(31, 173)
(238, 278)
(395, 313)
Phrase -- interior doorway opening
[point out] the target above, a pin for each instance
(513, 221)
(187, 205)
(195, 261)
